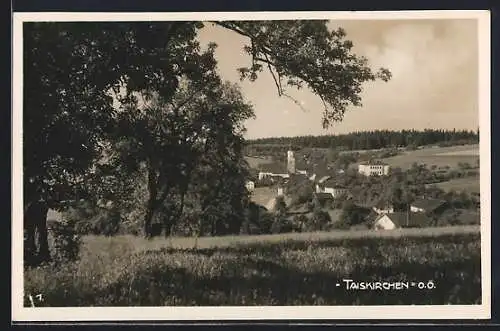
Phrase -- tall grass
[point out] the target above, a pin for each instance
(128, 271)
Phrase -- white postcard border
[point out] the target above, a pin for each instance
(483, 311)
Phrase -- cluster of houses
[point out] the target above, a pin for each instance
(320, 175)
(421, 213)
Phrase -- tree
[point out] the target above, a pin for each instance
(219, 177)
(319, 221)
(352, 214)
(73, 70)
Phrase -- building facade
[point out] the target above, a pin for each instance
(374, 169)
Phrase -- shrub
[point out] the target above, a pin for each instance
(66, 242)
(89, 218)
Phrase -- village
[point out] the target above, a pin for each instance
(305, 188)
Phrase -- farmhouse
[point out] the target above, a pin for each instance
(331, 187)
(428, 206)
(373, 168)
(398, 220)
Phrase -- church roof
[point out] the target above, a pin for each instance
(275, 168)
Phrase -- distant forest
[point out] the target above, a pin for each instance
(375, 139)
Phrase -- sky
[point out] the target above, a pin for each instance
(434, 64)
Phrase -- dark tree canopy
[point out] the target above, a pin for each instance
(74, 74)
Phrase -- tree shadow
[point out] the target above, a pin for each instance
(262, 281)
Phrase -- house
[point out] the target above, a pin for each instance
(373, 168)
(427, 205)
(330, 186)
(273, 170)
(250, 185)
(398, 220)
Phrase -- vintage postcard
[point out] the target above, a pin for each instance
(246, 166)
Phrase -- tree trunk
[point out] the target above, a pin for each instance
(35, 221)
(148, 219)
(30, 251)
(151, 204)
(43, 243)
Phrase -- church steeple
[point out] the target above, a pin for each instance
(290, 161)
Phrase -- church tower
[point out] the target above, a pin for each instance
(291, 162)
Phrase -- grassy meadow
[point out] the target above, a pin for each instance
(285, 269)
(468, 184)
(439, 156)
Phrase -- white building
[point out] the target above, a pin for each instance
(250, 185)
(398, 220)
(384, 222)
(374, 169)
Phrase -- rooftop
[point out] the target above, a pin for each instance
(373, 162)
(402, 219)
(275, 168)
(428, 204)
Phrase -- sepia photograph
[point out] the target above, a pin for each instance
(266, 165)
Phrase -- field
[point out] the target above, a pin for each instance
(289, 269)
(468, 184)
(440, 156)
